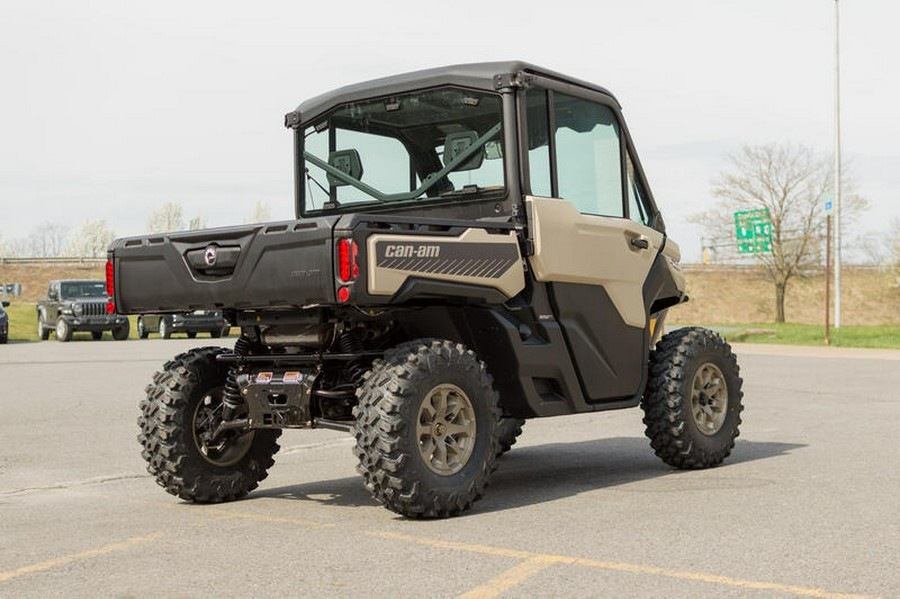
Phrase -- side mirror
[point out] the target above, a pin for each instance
(53, 295)
(5, 304)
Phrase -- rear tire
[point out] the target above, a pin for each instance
(42, 331)
(182, 402)
(143, 333)
(426, 429)
(192, 335)
(165, 332)
(96, 335)
(692, 404)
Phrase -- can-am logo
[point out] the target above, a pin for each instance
(210, 255)
(412, 251)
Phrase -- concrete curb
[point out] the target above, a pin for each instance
(809, 351)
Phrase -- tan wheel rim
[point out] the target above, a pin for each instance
(709, 399)
(445, 429)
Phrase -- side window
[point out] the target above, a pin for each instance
(538, 142)
(637, 202)
(588, 156)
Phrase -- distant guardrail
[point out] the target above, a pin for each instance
(726, 268)
(53, 260)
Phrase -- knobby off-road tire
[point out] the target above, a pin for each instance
(508, 431)
(426, 429)
(181, 398)
(692, 404)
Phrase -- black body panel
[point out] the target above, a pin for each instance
(660, 291)
(611, 356)
(276, 265)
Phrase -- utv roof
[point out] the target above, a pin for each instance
(488, 76)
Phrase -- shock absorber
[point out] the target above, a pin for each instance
(351, 343)
(231, 397)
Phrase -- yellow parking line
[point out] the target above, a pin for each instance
(720, 580)
(224, 514)
(510, 578)
(496, 551)
(74, 557)
(534, 562)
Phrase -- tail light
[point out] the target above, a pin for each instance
(348, 270)
(110, 288)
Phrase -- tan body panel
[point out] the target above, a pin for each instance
(489, 269)
(570, 247)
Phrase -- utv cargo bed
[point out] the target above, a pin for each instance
(244, 267)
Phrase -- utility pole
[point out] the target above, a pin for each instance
(837, 166)
(827, 276)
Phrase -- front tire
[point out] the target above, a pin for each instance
(426, 429)
(508, 431)
(692, 404)
(63, 330)
(120, 333)
(182, 403)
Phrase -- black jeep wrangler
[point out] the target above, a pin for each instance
(72, 306)
(474, 246)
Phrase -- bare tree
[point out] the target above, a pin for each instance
(45, 241)
(167, 218)
(197, 223)
(789, 182)
(91, 240)
(260, 213)
(5, 250)
(895, 246)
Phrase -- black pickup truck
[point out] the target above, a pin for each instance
(473, 246)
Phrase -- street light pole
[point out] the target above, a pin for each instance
(837, 166)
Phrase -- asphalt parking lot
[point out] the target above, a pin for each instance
(807, 505)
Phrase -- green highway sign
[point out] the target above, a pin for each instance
(753, 231)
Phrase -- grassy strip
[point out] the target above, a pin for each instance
(22, 322)
(880, 337)
(23, 325)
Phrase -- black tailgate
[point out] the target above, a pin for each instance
(252, 266)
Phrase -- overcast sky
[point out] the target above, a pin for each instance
(110, 109)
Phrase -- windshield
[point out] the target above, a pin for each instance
(424, 146)
(82, 289)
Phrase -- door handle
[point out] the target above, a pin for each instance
(640, 243)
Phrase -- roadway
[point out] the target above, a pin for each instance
(807, 505)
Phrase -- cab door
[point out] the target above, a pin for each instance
(593, 254)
